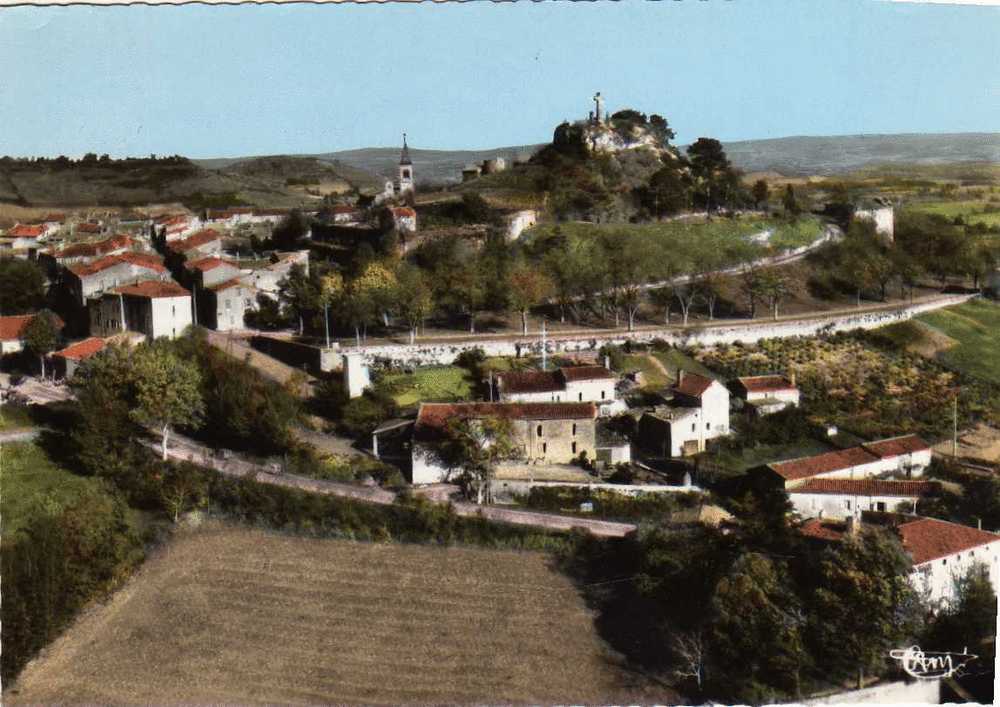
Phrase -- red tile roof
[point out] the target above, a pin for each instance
(171, 219)
(96, 248)
(200, 238)
(12, 328)
(208, 263)
(22, 230)
(81, 349)
(153, 289)
(403, 212)
(144, 260)
(343, 209)
(897, 446)
(433, 417)
(823, 529)
(867, 487)
(87, 227)
(929, 539)
(765, 384)
(235, 282)
(693, 385)
(585, 373)
(529, 382)
(822, 463)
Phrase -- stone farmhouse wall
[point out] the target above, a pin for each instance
(724, 333)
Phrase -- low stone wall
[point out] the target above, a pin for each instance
(516, 487)
(297, 355)
(728, 332)
(926, 692)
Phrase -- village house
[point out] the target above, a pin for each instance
(402, 218)
(267, 279)
(90, 229)
(576, 384)
(205, 272)
(843, 498)
(271, 216)
(173, 227)
(471, 172)
(697, 412)
(940, 551)
(12, 332)
(767, 394)
(85, 280)
(151, 308)
(82, 252)
(344, 213)
(66, 361)
(205, 242)
(223, 305)
(880, 212)
(23, 241)
(553, 433)
(906, 456)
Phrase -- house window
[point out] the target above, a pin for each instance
(708, 425)
(538, 430)
(693, 427)
(574, 429)
(581, 397)
(545, 447)
(880, 506)
(574, 447)
(944, 561)
(847, 505)
(173, 310)
(602, 395)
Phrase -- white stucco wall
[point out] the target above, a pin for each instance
(170, 316)
(937, 577)
(787, 396)
(829, 505)
(590, 391)
(884, 219)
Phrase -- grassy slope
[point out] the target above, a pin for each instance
(238, 616)
(432, 384)
(32, 484)
(14, 417)
(975, 325)
(970, 210)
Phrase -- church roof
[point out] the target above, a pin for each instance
(404, 156)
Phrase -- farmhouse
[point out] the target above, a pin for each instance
(211, 270)
(880, 212)
(172, 227)
(205, 242)
(698, 412)
(223, 305)
(520, 221)
(83, 252)
(577, 384)
(66, 361)
(152, 308)
(22, 241)
(266, 280)
(12, 332)
(543, 432)
(90, 228)
(905, 456)
(87, 280)
(843, 498)
(402, 218)
(940, 551)
(767, 394)
(344, 213)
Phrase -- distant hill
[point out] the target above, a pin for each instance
(801, 156)
(262, 181)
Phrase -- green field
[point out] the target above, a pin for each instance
(973, 211)
(432, 384)
(13, 417)
(683, 239)
(672, 359)
(975, 325)
(33, 484)
(653, 378)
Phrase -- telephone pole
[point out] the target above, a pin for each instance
(954, 426)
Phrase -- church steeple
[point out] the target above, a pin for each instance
(404, 156)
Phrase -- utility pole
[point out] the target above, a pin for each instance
(954, 426)
(326, 322)
(544, 352)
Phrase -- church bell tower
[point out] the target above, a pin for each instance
(404, 180)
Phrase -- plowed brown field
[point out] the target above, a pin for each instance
(234, 615)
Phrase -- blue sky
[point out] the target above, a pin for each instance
(215, 81)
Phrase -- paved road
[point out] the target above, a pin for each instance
(182, 448)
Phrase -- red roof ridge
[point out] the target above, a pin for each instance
(82, 349)
(152, 289)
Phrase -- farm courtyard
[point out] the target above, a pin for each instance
(239, 616)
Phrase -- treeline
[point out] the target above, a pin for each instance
(762, 614)
(91, 159)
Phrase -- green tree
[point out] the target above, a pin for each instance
(528, 287)
(760, 193)
(790, 202)
(630, 262)
(970, 619)
(474, 447)
(41, 335)
(863, 604)
(183, 486)
(22, 286)
(709, 165)
(414, 297)
(167, 391)
(289, 232)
